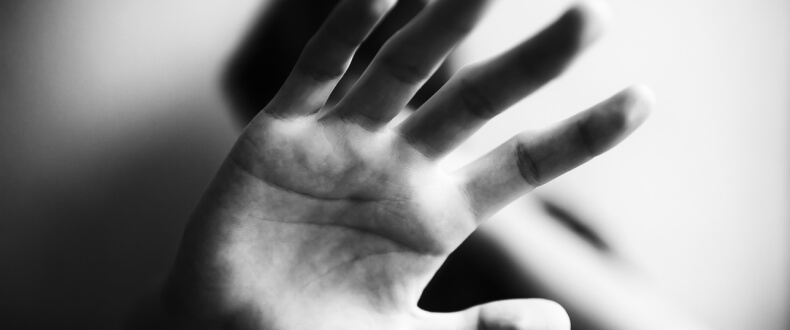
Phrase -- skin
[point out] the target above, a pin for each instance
(327, 217)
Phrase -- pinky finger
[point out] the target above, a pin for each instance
(529, 160)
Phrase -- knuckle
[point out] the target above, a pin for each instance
(585, 139)
(475, 100)
(526, 165)
(321, 70)
(403, 71)
(472, 96)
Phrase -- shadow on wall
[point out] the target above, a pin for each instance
(80, 250)
(89, 216)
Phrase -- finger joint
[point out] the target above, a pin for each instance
(475, 100)
(526, 165)
(402, 71)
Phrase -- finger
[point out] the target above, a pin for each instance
(528, 314)
(407, 60)
(480, 92)
(515, 314)
(400, 15)
(327, 56)
(530, 160)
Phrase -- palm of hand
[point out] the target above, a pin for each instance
(332, 219)
(351, 216)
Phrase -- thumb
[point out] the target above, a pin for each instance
(516, 314)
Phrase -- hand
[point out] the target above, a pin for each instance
(328, 218)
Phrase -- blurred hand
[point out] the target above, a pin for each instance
(329, 218)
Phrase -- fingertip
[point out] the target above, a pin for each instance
(645, 93)
(609, 122)
(525, 314)
(556, 316)
(594, 15)
(640, 103)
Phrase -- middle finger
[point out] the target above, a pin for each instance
(407, 60)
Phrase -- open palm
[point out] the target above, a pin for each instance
(329, 218)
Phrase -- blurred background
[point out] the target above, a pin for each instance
(112, 121)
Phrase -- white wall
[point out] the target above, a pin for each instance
(697, 198)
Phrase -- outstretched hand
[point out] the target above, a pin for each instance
(330, 218)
